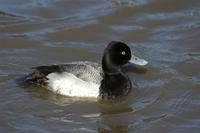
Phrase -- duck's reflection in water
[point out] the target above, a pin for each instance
(114, 116)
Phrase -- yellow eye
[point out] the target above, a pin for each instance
(123, 52)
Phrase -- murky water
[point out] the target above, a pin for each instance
(38, 32)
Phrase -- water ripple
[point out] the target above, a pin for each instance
(130, 2)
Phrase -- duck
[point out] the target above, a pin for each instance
(89, 79)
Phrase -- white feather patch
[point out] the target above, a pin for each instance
(69, 85)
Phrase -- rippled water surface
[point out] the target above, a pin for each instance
(164, 32)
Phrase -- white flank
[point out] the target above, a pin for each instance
(69, 85)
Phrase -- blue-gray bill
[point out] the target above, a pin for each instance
(138, 61)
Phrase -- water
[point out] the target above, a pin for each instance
(164, 32)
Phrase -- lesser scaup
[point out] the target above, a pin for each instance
(88, 79)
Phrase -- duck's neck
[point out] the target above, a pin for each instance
(109, 67)
(114, 83)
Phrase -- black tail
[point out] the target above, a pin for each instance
(38, 75)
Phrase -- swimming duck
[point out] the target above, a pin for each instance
(89, 79)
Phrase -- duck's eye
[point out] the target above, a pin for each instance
(123, 53)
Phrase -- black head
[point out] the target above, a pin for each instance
(118, 52)
(115, 55)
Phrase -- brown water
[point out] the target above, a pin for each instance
(164, 32)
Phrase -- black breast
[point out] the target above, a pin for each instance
(113, 86)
